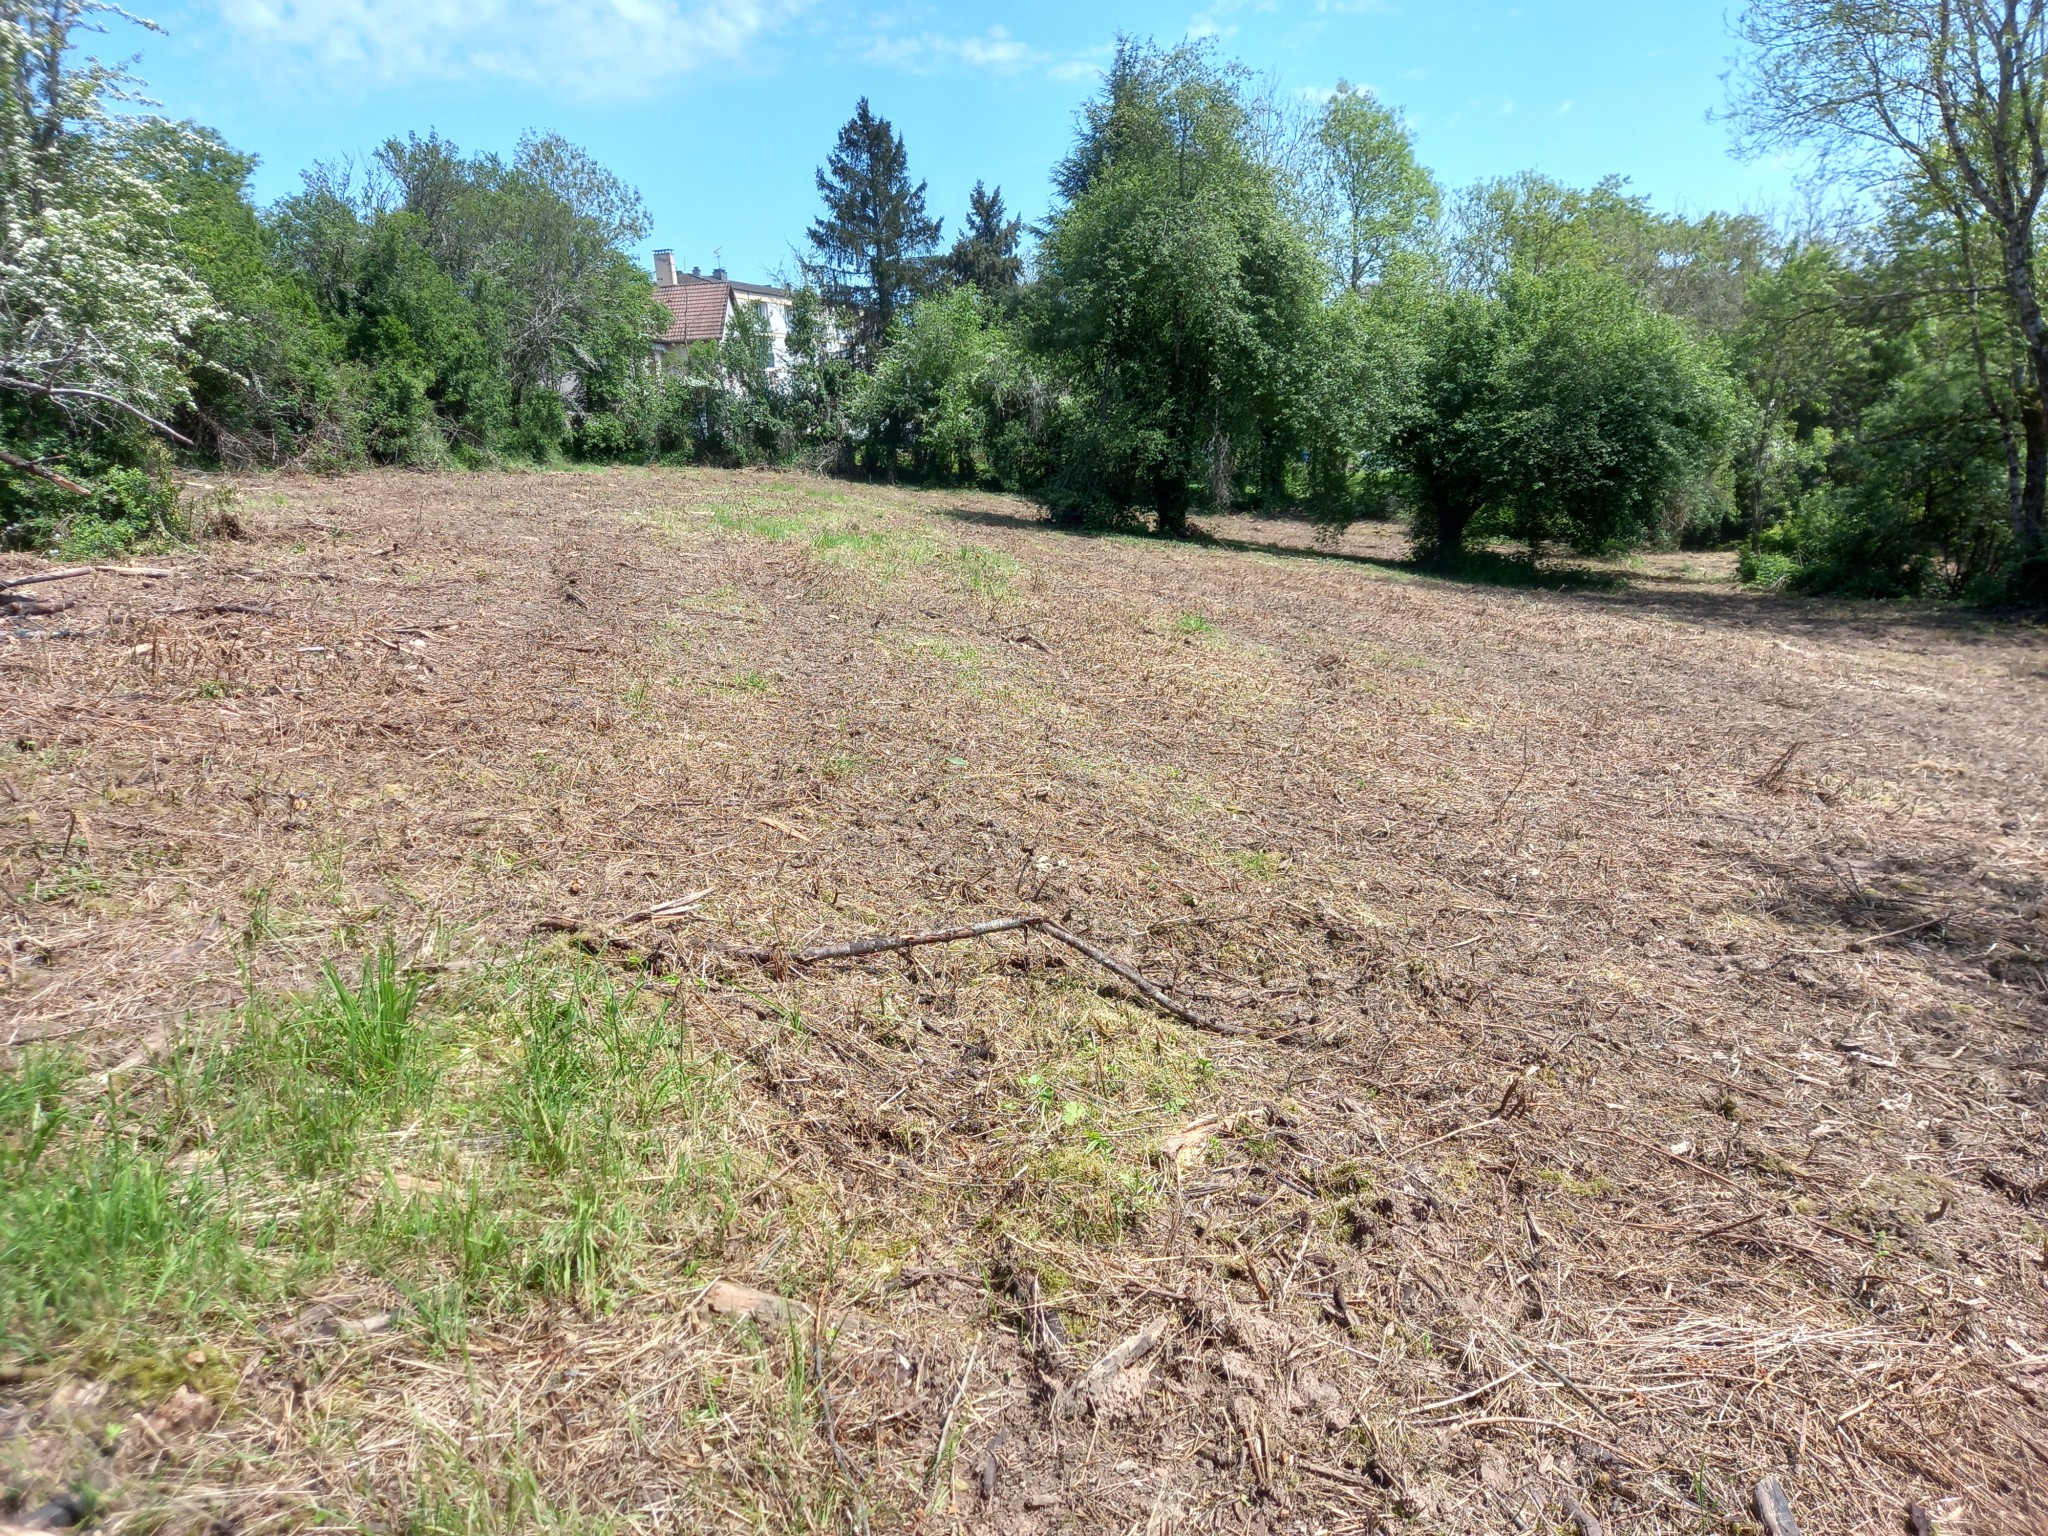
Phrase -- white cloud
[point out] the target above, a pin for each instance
(1209, 22)
(1564, 108)
(994, 50)
(572, 47)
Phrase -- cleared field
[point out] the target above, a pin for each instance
(1626, 1084)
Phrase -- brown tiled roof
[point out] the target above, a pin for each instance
(696, 311)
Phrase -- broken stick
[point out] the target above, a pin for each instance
(1145, 989)
(41, 472)
(41, 576)
(879, 944)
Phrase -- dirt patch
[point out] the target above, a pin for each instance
(1648, 987)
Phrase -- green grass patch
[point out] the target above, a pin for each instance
(988, 573)
(535, 1131)
(775, 527)
(746, 682)
(882, 551)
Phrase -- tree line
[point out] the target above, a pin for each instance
(1233, 302)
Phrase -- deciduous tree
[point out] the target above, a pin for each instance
(1946, 92)
(1562, 409)
(1374, 204)
(1176, 287)
(94, 303)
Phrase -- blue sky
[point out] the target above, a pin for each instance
(721, 110)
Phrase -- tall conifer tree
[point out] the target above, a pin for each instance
(872, 249)
(985, 256)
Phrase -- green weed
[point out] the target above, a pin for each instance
(68, 885)
(879, 550)
(94, 1223)
(454, 1496)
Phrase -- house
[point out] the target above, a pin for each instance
(704, 308)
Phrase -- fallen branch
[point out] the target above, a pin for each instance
(1581, 1518)
(1145, 989)
(1515, 1418)
(890, 943)
(31, 467)
(860, 1503)
(71, 572)
(1863, 941)
(1773, 1508)
(74, 392)
(677, 906)
(1773, 776)
(28, 608)
(1114, 1362)
(880, 944)
(40, 576)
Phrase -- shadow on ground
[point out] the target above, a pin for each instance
(1661, 593)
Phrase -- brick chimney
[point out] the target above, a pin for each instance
(718, 274)
(665, 268)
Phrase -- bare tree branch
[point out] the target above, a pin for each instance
(31, 467)
(63, 392)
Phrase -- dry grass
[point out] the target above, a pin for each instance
(1650, 975)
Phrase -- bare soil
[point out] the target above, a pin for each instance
(1645, 1082)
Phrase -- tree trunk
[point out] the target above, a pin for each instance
(2034, 486)
(1452, 519)
(2019, 276)
(1170, 500)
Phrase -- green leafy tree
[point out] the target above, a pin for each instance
(952, 394)
(485, 301)
(1912, 502)
(986, 255)
(540, 247)
(1947, 96)
(1351, 389)
(1801, 340)
(1562, 410)
(1176, 289)
(268, 383)
(1697, 270)
(1882, 453)
(1375, 207)
(871, 251)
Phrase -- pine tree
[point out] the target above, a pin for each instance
(985, 256)
(872, 247)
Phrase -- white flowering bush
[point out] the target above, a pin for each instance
(94, 305)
